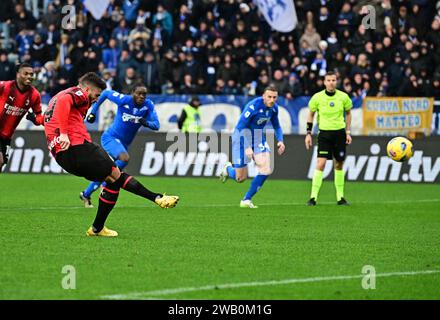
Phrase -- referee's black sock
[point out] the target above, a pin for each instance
(107, 201)
(130, 184)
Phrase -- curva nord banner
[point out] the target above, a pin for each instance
(176, 154)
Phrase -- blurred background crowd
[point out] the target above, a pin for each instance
(226, 46)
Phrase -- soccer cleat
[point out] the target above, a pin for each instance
(343, 202)
(105, 232)
(224, 174)
(247, 204)
(311, 202)
(167, 201)
(87, 201)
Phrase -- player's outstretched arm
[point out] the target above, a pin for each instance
(104, 95)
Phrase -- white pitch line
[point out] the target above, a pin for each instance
(225, 205)
(165, 292)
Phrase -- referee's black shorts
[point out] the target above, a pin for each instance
(331, 144)
(87, 160)
(4, 144)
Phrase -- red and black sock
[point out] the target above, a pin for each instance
(107, 201)
(110, 193)
(130, 184)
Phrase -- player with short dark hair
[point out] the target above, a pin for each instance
(249, 143)
(334, 134)
(71, 145)
(133, 111)
(16, 98)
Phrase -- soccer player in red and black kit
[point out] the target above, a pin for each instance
(16, 98)
(70, 144)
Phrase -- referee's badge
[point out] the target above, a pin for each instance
(332, 104)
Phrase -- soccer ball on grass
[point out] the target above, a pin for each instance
(400, 149)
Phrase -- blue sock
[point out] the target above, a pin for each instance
(91, 188)
(231, 172)
(256, 184)
(121, 164)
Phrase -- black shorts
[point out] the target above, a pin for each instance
(4, 144)
(331, 144)
(87, 160)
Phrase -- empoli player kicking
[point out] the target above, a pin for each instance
(133, 111)
(249, 142)
(334, 134)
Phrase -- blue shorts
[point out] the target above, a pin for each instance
(113, 146)
(239, 159)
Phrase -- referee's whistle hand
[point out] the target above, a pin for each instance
(348, 139)
(308, 141)
(64, 141)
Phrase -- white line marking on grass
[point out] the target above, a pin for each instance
(221, 205)
(165, 292)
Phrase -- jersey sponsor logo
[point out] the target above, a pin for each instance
(13, 110)
(262, 120)
(130, 118)
(12, 98)
(53, 143)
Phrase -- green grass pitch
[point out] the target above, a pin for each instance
(209, 248)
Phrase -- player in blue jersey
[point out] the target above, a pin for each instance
(249, 143)
(133, 111)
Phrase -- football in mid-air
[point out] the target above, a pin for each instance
(400, 149)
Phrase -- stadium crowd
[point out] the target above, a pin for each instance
(226, 46)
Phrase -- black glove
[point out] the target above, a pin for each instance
(143, 122)
(32, 117)
(91, 118)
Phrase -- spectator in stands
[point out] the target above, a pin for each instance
(6, 13)
(164, 18)
(311, 38)
(130, 80)
(7, 68)
(39, 51)
(130, 11)
(149, 70)
(111, 55)
(188, 86)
